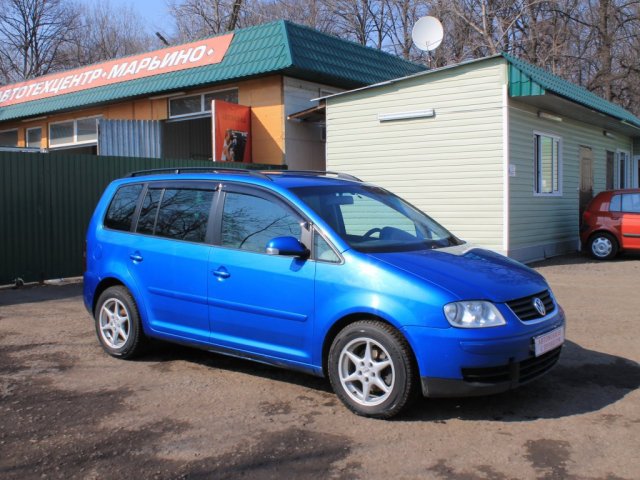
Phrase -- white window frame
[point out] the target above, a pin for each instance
(26, 137)
(75, 133)
(203, 112)
(635, 171)
(628, 172)
(537, 170)
(17, 136)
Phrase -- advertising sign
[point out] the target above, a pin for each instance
(181, 57)
(231, 134)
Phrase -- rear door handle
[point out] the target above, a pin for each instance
(221, 273)
(136, 257)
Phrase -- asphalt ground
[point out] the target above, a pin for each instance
(68, 410)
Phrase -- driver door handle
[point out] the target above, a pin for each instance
(221, 273)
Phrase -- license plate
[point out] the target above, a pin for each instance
(548, 341)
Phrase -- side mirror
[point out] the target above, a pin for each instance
(287, 246)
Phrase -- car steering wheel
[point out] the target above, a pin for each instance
(371, 232)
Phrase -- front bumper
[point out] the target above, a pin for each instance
(491, 380)
(467, 362)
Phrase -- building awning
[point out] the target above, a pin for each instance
(317, 114)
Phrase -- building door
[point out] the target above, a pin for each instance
(586, 177)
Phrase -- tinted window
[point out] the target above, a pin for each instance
(184, 214)
(631, 203)
(248, 222)
(322, 251)
(149, 211)
(614, 206)
(123, 205)
(370, 219)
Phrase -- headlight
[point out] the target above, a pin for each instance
(473, 314)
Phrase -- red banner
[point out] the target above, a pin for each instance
(231, 132)
(181, 57)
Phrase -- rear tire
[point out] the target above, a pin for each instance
(118, 323)
(371, 369)
(603, 246)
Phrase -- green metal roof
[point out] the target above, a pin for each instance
(528, 80)
(276, 47)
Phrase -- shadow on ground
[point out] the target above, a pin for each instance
(39, 293)
(583, 259)
(583, 381)
(46, 432)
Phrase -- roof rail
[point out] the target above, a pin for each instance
(343, 176)
(178, 170)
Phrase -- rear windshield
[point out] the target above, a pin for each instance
(370, 219)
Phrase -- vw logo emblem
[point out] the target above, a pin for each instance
(539, 306)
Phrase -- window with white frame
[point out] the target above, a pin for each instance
(9, 138)
(623, 170)
(547, 164)
(82, 131)
(200, 104)
(34, 137)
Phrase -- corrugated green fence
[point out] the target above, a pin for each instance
(46, 201)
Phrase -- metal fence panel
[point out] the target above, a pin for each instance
(130, 138)
(46, 202)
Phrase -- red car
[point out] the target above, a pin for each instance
(611, 223)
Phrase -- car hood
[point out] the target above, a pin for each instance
(469, 272)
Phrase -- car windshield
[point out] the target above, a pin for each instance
(370, 219)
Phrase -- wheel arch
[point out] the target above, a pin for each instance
(601, 230)
(102, 286)
(352, 318)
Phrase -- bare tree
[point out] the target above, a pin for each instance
(32, 32)
(202, 18)
(104, 32)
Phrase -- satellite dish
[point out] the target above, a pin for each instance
(427, 33)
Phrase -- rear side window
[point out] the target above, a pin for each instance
(184, 214)
(631, 203)
(120, 212)
(179, 213)
(614, 206)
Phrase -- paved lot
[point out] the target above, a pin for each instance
(67, 410)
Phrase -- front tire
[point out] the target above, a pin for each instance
(603, 246)
(118, 324)
(371, 369)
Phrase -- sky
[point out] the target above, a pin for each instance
(153, 11)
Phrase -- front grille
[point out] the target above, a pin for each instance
(515, 372)
(525, 309)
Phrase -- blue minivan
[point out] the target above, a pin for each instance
(318, 272)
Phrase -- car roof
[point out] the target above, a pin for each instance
(287, 179)
(607, 193)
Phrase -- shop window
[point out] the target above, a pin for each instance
(547, 165)
(34, 137)
(195, 105)
(230, 96)
(185, 106)
(9, 138)
(86, 130)
(73, 132)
